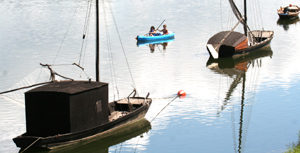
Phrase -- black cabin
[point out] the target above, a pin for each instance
(66, 107)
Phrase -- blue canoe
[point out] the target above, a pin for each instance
(142, 38)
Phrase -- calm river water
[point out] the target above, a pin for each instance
(244, 105)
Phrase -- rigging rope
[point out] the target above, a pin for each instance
(30, 86)
(65, 35)
(221, 12)
(260, 19)
(85, 30)
(117, 29)
(112, 70)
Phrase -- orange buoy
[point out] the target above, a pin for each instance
(181, 93)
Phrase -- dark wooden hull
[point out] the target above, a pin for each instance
(288, 16)
(231, 62)
(102, 143)
(61, 140)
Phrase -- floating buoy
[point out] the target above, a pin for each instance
(181, 93)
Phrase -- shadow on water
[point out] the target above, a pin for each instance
(237, 68)
(102, 144)
(285, 23)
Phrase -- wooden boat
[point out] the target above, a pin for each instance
(288, 12)
(231, 43)
(60, 126)
(62, 113)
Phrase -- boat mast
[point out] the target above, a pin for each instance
(245, 17)
(97, 41)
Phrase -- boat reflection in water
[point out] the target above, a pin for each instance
(155, 44)
(102, 144)
(285, 23)
(237, 68)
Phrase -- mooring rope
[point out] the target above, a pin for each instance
(163, 108)
(30, 145)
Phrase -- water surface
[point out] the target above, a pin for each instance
(208, 119)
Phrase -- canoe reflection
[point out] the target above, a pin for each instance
(153, 46)
(156, 45)
(102, 144)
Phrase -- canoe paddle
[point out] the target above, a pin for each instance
(160, 24)
(155, 30)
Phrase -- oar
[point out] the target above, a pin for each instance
(161, 24)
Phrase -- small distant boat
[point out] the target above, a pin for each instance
(288, 12)
(147, 38)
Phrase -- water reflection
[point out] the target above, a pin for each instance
(157, 45)
(237, 68)
(153, 46)
(103, 144)
(285, 23)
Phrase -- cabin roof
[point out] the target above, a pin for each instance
(233, 39)
(68, 87)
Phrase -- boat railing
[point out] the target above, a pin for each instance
(133, 92)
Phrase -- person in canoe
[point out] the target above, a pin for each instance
(153, 32)
(164, 30)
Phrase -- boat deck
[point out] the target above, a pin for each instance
(132, 101)
(264, 34)
(117, 114)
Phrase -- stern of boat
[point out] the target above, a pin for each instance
(25, 142)
(262, 36)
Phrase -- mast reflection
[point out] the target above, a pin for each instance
(236, 68)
